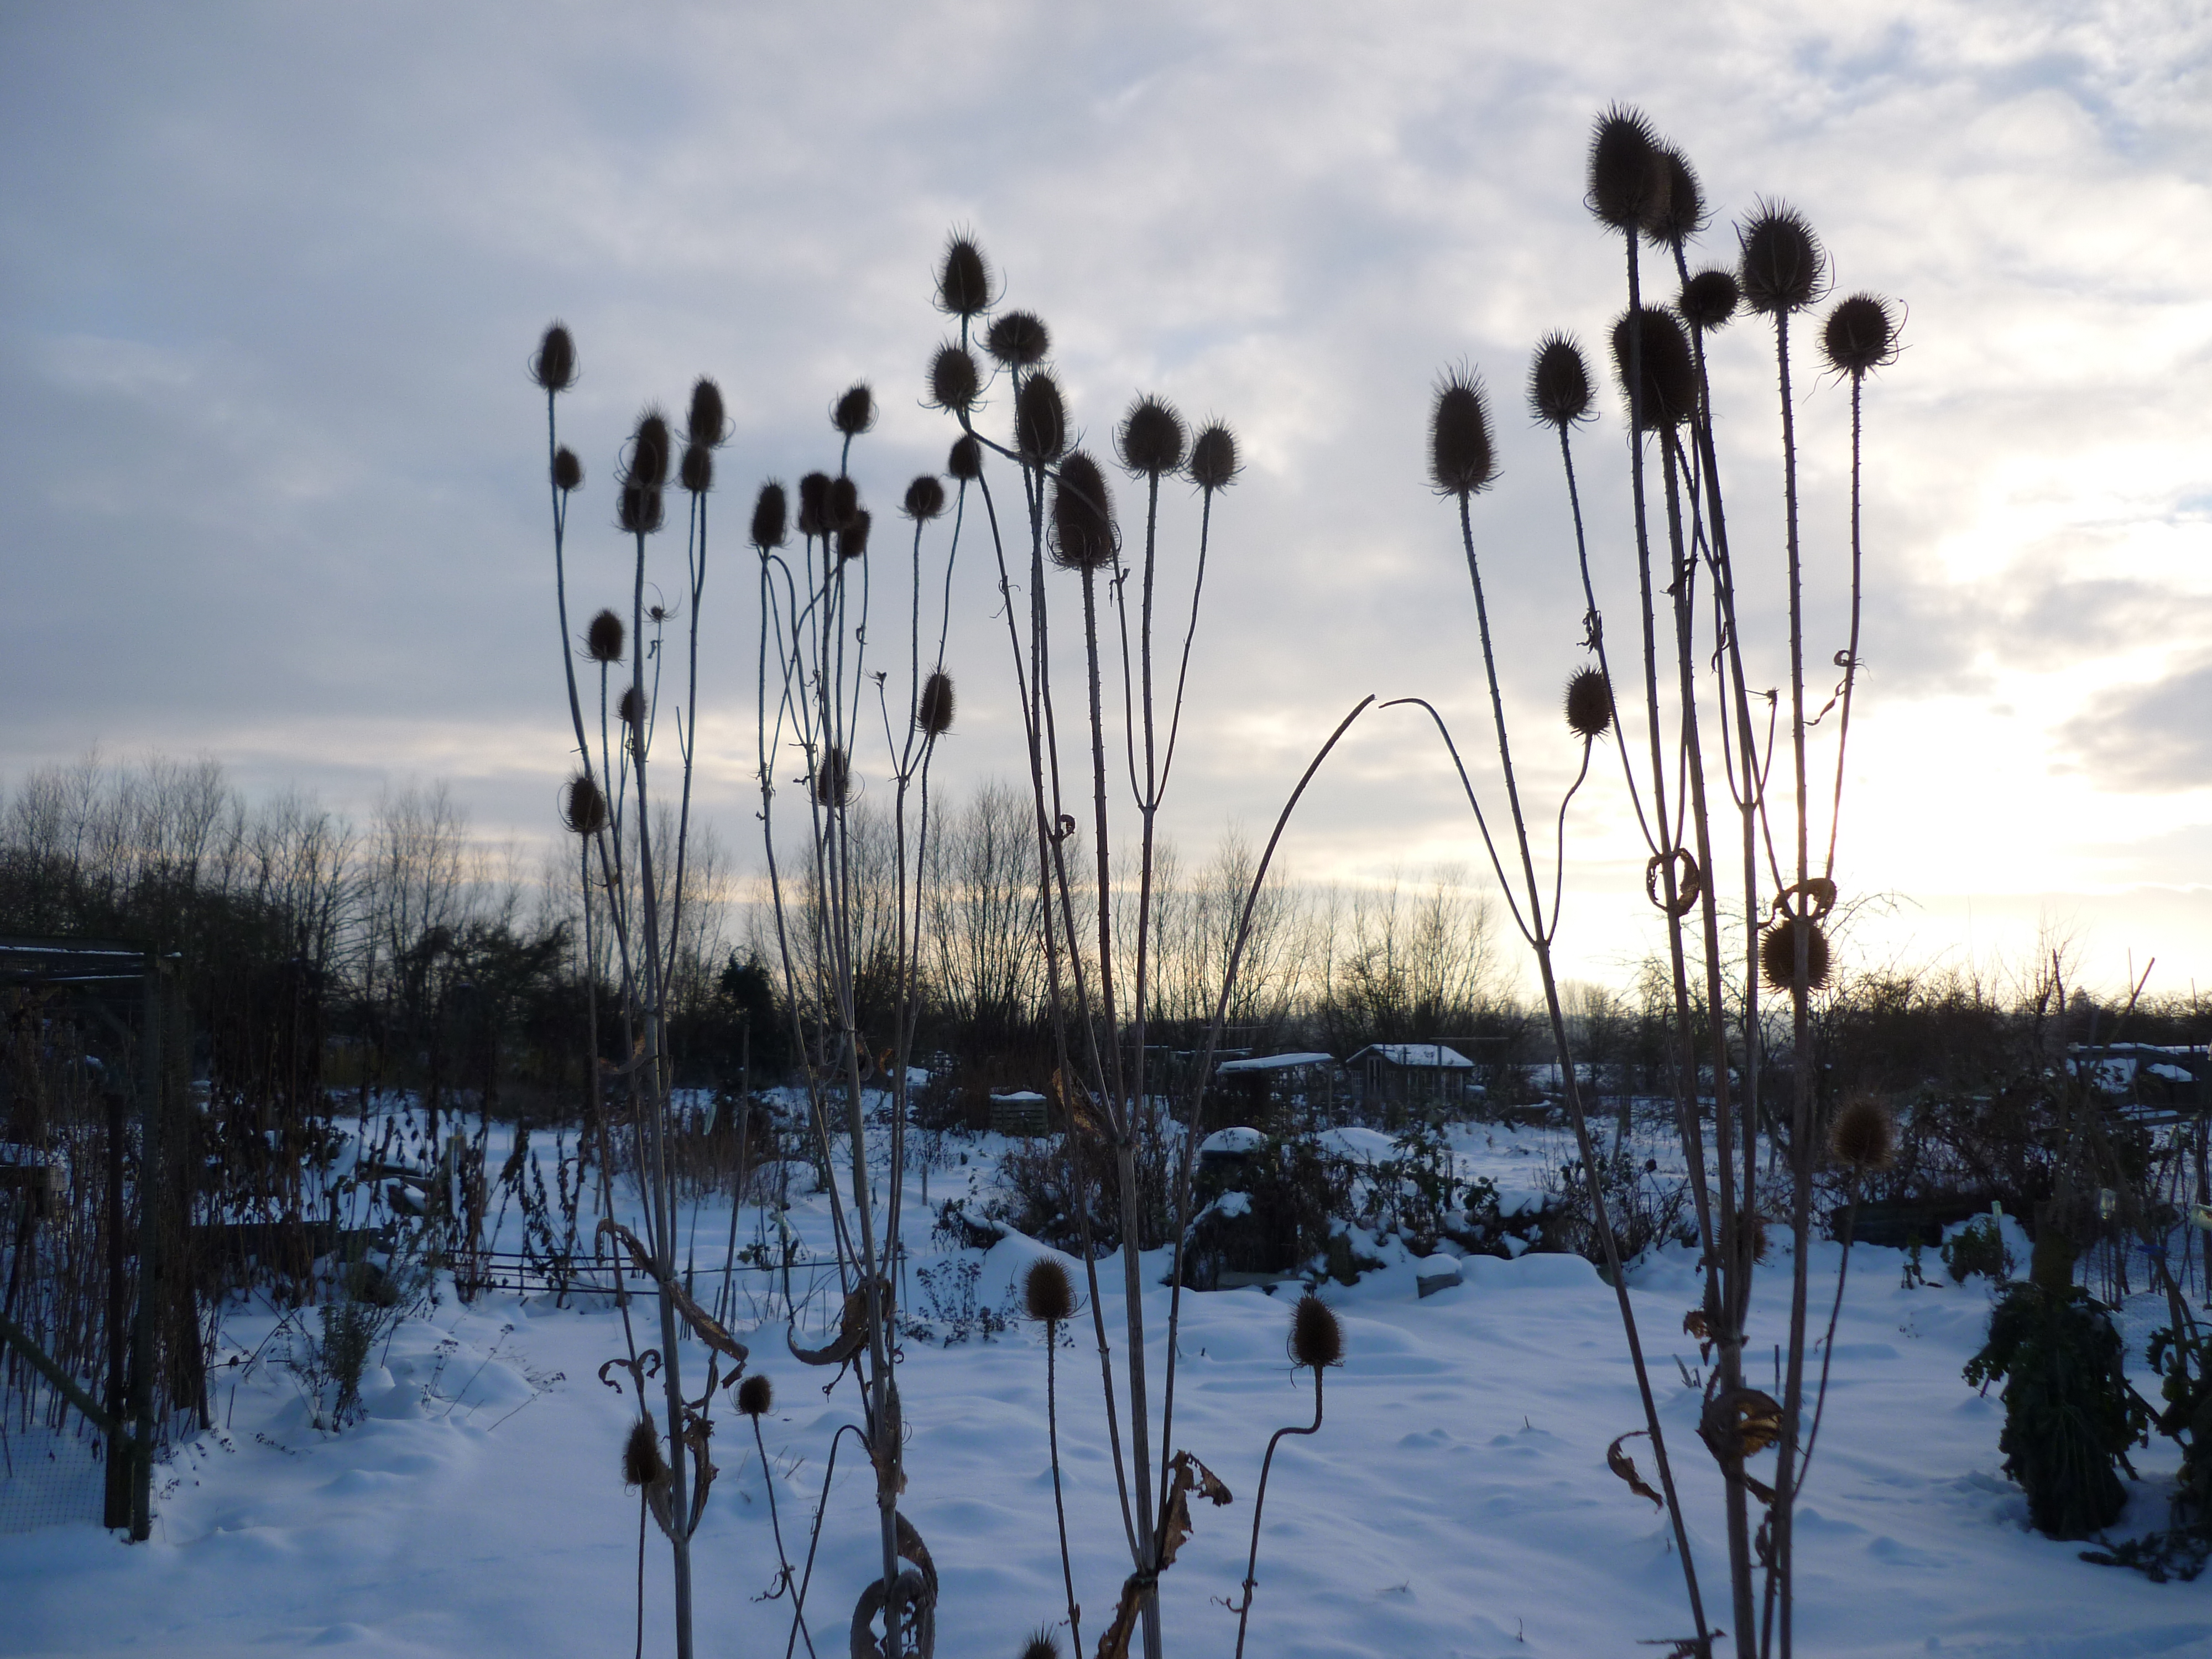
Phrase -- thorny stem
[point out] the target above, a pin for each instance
(1801, 1091)
(1571, 1084)
(1259, 1502)
(1059, 1505)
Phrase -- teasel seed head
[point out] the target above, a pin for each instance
(697, 471)
(852, 539)
(629, 708)
(1628, 177)
(1316, 1339)
(649, 450)
(603, 638)
(1558, 382)
(933, 713)
(1778, 955)
(769, 517)
(1589, 704)
(756, 1395)
(1046, 1292)
(1863, 1137)
(854, 411)
(1082, 536)
(567, 471)
(1039, 421)
(1152, 438)
(583, 808)
(954, 380)
(1460, 458)
(841, 506)
(1680, 213)
(1213, 462)
(1670, 376)
(1710, 299)
(965, 462)
(963, 278)
(833, 779)
(1020, 339)
(1860, 336)
(1041, 1644)
(814, 504)
(925, 499)
(642, 1463)
(1782, 268)
(554, 367)
(639, 508)
(707, 423)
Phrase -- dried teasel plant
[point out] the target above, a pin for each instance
(1316, 1344)
(633, 876)
(1645, 191)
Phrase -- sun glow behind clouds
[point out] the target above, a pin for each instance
(266, 282)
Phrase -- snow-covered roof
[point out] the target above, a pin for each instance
(1272, 1063)
(1018, 1097)
(1435, 1055)
(1232, 1140)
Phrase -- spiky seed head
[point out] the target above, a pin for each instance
(852, 539)
(1039, 421)
(1777, 954)
(933, 712)
(833, 779)
(629, 708)
(1460, 459)
(554, 367)
(1670, 376)
(707, 423)
(854, 411)
(603, 638)
(639, 509)
(1046, 1292)
(1020, 339)
(583, 808)
(841, 505)
(963, 278)
(697, 469)
(642, 1463)
(1680, 213)
(1626, 176)
(1863, 1137)
(954, 380)
(567, 471)
(1710, 299)
(1860, 336)
(1082, 515)
(1213, 458)
(649, 450)
(965, 462)
(1589, 704)
(925, 499)
(814, 504)
(1316, 1339)
(1152, 438)
(756, 1395)
(770, 516)
(1783, 268)
(1041, 1644)
(1558, 382)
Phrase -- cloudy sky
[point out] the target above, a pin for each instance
(271, 474)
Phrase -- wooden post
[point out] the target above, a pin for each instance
(118, 1513)
(141, 1331)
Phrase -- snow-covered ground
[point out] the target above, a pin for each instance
(1455, 1502)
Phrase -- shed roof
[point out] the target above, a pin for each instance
(1273, 1063)
(1424, 1056)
